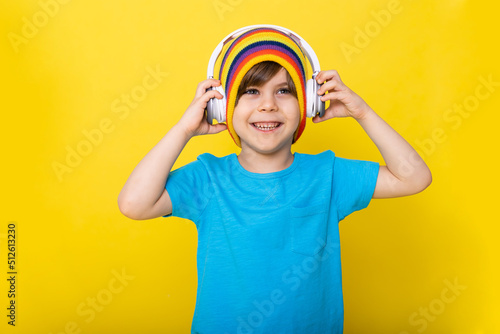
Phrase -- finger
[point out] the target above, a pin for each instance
(332, 85)
(216, 128)
(206, 84)
(332, 96)
(202, 101)
(210, 94)
(326, 116)
(318, 119)
(326, 76)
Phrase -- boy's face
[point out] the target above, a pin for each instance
(267, 117)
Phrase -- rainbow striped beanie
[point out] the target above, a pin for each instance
(250, 48)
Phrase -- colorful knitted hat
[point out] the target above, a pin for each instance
(250, 48)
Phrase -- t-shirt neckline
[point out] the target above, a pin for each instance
(286, 171)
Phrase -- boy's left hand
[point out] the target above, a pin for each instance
(343, 101)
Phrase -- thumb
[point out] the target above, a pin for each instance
(216, 128)
(318, 119)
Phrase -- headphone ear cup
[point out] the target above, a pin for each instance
(216, 108)
(320, 105)
(310, 98)
(314, 104)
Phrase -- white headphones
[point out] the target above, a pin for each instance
(217, 108)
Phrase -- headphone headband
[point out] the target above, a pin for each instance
(311, 56)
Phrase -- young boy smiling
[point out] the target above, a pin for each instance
(267, 219)
(267, 116)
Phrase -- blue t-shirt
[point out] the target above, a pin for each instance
(268, 256)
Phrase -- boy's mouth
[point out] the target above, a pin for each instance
(267, 126)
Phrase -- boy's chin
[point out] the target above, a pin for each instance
(266, 148)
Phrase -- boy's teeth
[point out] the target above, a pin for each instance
(266, 126)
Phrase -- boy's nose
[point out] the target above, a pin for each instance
(267, 103)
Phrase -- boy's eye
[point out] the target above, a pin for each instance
(283, 91)
(251, 91)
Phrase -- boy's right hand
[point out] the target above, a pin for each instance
(194, 122)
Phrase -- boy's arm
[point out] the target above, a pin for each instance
(405, 172)
(144, 195)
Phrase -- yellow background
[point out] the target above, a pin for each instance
(64, 76)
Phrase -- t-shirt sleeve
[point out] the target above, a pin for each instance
(190, 190)
(353, 184)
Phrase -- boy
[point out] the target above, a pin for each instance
(268, 242)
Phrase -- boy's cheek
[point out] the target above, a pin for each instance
(248, 100)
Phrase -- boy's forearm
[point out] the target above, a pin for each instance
(400, 157)
(147, 181)
(144, 196)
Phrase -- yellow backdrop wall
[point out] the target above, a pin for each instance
(88, 87)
